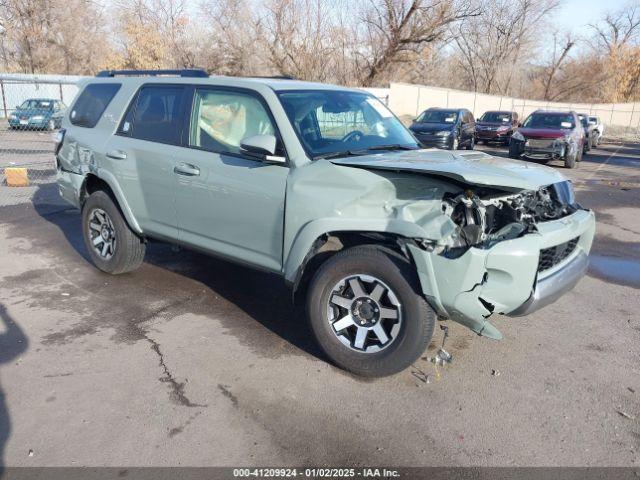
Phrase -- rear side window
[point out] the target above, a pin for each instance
(156, 114)
(92, 103)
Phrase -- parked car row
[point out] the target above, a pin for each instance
(544, 135)
(37, 113)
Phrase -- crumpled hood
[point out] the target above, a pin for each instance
(471, 167)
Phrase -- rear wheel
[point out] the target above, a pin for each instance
(367, 313)
(113, 246)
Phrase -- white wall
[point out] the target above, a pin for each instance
(408, 100)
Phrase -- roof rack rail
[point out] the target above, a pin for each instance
(275, 77)
(185, 72)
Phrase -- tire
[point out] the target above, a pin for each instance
(51, 125)
(406, 337)
(514, 151)
(570, 160)
(455, 143)
(472, 144)
(127, 250)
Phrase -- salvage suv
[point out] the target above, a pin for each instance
(324, 186)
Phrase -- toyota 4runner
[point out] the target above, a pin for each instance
(324, 186)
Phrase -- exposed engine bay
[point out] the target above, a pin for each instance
(485, 217)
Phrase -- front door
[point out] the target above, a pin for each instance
(228, 202)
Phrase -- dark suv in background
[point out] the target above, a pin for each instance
(496, 126)
(447, 128)
(549, 136)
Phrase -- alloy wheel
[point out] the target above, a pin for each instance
(102, 233)
(364, 313)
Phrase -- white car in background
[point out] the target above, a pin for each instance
(599, 128)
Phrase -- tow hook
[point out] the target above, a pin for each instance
(442, 356)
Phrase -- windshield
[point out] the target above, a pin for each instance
(37, 104)
(594, 120)
(438, 116)
(549, 120)
(496, 117)
(334, 122)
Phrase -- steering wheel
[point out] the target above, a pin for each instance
(355, 135)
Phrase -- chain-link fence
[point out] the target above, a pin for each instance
(30, 114)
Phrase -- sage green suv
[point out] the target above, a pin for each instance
(324, 186)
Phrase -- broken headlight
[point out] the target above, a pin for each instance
(484, 219)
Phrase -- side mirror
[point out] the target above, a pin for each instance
(262, 146)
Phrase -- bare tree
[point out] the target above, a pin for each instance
(395, 29)
(52, 35)
(561, 49)
(300, 37)
(490, 44)
(618, 29)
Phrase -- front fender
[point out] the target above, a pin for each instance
(304, 240)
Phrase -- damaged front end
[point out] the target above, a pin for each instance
(491, 262)
(484, 218)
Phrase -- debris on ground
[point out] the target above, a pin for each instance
(631, 390)
(30, 453)
(441, 357)
(625, 415)
(495, 373)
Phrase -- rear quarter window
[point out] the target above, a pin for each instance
(92, 103)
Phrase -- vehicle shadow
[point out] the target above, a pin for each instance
(13, 342)
(261, 295)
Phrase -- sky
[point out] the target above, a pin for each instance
(577, 14)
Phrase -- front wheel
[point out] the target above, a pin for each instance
(514, 150)
(472, 144)
(455, 143)
(367, 313)
(51, 125)
(114, 248)
(571, 159)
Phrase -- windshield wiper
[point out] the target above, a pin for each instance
(394, 146)
(345, 153)
(363, 151)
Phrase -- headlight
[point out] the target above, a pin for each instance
(517, 136)
(37, 118)
(444, 133)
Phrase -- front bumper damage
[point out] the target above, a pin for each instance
(508, 278)
(545, 149)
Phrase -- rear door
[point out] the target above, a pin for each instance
(142, 156)
(228, 202)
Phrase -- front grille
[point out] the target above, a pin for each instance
(552, 256)
(543, 143)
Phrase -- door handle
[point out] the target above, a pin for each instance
(117, 155)
(187, 169)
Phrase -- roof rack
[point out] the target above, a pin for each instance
(185, 72)
(275, 77)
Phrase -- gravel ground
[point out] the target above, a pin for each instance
(192, 361)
